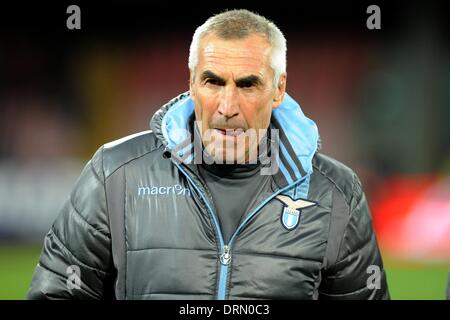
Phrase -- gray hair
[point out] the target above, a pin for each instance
(238, 24)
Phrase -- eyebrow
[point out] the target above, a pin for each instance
(244, 81)
(211, 75)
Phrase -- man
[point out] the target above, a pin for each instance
(227, 197)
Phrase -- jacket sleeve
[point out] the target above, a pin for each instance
(358, 272)
(76, 260)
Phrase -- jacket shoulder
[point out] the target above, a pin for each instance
(337, 174)
(115, 154)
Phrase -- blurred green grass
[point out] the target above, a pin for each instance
(417, 281)
(17, 264)
(406, 281)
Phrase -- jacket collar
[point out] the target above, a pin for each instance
(298, 136)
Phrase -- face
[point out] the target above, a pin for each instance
(234, 95)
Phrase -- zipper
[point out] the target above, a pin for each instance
(225, 249)
(225, 259)
(225, 256)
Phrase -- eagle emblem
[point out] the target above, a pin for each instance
(291, 212)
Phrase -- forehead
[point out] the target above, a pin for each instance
(250, 54)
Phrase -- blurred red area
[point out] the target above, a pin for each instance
(412, 217)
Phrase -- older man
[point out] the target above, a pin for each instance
(226, 197)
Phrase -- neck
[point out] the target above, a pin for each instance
(233, 171)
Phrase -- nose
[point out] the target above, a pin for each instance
(229, 102)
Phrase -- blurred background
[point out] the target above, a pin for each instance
(381, 100)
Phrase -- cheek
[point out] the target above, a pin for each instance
(205, 108)
(259, 118)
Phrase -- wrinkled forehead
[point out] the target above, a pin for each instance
(251, 52)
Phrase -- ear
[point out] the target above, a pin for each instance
(280, 91)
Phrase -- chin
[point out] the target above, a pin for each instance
(234, 156)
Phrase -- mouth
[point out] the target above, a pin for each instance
(230, 132)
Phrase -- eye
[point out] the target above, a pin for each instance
(246, 84)
(214, 82)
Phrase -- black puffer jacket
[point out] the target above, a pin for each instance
(140, 225)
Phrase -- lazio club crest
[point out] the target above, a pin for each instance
(291, 212)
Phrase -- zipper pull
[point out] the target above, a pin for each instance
(225, 258)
